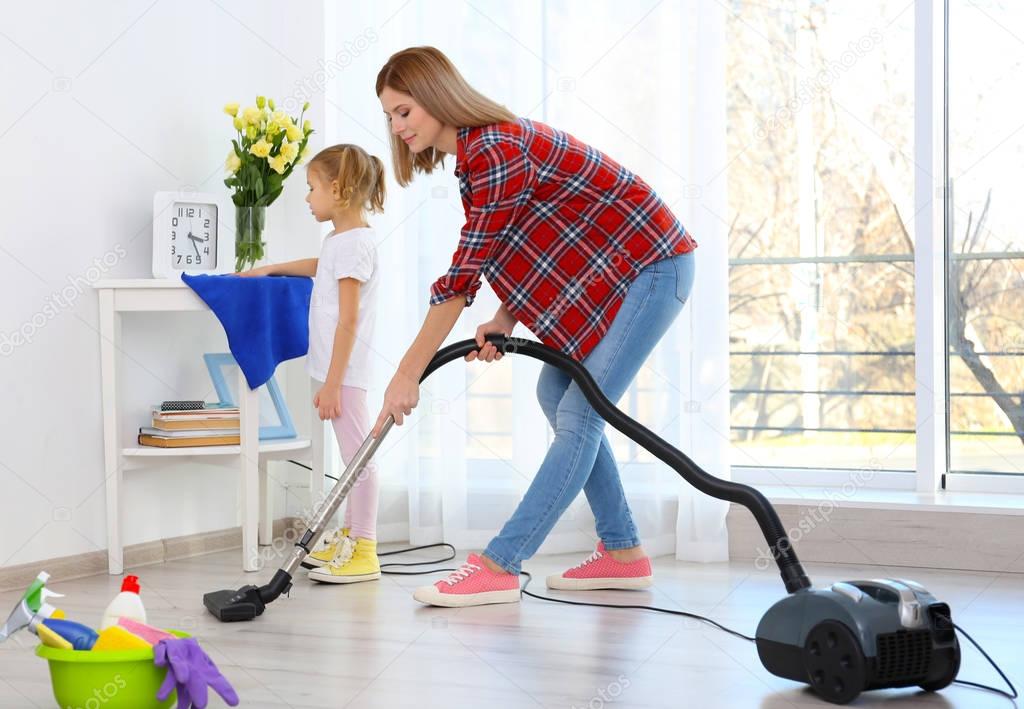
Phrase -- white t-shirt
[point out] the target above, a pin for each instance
(350, 254)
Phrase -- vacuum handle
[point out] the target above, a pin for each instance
(767, 518)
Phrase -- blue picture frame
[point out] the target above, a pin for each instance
(283, 427)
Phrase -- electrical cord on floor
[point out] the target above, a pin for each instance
(1012, 694)
(669, 611)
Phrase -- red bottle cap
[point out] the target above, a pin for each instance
(130, 583)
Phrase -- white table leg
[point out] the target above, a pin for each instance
(110, 344)
(249, 494)
(266, 534)
(319, 454)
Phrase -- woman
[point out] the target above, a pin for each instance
(579, 250)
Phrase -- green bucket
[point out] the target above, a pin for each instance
(119, 679)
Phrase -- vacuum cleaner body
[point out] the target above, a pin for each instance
(857, 635)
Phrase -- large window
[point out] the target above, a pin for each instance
(985, 258)
(820, 188)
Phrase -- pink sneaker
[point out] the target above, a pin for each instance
(600, 570)
(472, 585)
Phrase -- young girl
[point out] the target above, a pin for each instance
(344, 184)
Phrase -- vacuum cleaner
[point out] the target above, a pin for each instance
(841, 640)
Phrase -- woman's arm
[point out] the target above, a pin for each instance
(436, 326)
(302, 267)
(403, 392)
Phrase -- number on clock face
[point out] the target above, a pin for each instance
(193, 240)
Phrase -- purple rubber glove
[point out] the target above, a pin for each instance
(191, 670)
(205, 674)
(174, 656)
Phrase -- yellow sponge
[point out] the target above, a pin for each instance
(51, 639)
(117, 638)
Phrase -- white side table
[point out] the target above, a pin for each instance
(162, 295)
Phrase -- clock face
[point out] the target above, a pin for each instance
(193, 240)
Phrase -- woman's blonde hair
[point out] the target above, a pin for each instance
(360, 175)
(427, 75)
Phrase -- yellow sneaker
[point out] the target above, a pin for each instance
(326, 549)
(361, 564)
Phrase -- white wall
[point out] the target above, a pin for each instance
(103, 105)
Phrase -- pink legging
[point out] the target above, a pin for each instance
(351, 429)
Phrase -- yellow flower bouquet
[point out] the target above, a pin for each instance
(268, 145)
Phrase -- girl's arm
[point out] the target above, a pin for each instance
(403, 392)
(302, 267)
(345, 333)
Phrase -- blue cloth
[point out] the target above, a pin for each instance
(266, 318)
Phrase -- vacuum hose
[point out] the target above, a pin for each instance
(771, 526)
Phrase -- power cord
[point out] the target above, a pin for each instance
(1012, 694)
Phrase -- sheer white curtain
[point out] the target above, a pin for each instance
(624, 78)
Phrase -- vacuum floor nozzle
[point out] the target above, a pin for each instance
(229, 606)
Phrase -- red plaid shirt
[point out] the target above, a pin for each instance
(559, 230)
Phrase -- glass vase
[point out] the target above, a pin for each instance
(249, 244)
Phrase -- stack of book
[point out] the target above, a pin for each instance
(180, 424)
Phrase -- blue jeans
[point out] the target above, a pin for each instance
(580, 457)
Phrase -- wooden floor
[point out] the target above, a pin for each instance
(372, 645)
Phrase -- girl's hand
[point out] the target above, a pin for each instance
(488, 352)
(328, 402)
(400, 398)
(261, 271)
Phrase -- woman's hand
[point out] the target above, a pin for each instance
(400, 398)
(261, 271)
(501, 324)
(328, 402)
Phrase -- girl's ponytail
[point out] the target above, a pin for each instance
(377, 191)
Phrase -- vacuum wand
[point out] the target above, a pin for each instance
(250, 601)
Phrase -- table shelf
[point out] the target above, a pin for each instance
(152, 295)
(266, 448)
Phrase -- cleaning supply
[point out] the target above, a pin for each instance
(81, 637)
(117, 638)
(190, 670)
(147, 632)
(126, 604)
(32, 609)
(51, 639)
(121, 679)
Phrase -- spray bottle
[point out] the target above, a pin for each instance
(32, 609)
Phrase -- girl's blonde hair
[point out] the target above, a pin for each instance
(427, 75)
(360, 175)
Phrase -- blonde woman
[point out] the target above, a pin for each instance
(578, 249)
